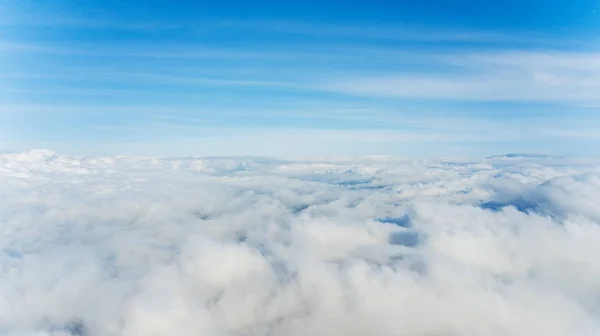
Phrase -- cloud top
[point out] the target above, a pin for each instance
(242, 246)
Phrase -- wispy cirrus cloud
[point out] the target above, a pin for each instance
(288, 74)
(507, 75)
(212, 132)
(503, 76)
(322, 30)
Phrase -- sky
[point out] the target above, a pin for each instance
(299, 168)
(300, 78)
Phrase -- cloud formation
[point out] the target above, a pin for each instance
(250, 246)
(499, 76)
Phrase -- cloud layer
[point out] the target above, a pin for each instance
(250, 246)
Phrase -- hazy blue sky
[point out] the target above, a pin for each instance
(416, 78)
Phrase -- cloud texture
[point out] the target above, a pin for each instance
(247, 246)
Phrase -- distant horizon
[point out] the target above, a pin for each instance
(50, 152)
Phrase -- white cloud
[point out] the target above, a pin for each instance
(502, 76)
(234, 246)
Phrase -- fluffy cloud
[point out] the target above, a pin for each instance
(232, 246)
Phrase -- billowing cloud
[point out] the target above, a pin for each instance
(248, 246)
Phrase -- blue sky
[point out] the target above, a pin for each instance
(414, 78)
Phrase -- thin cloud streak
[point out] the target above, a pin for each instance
(320, 29)
(571, 77)
(566, 77)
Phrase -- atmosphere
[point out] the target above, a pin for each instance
(300, 168)
(411, 78)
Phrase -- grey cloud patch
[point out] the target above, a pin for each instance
(251, 246)
(403, 221)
